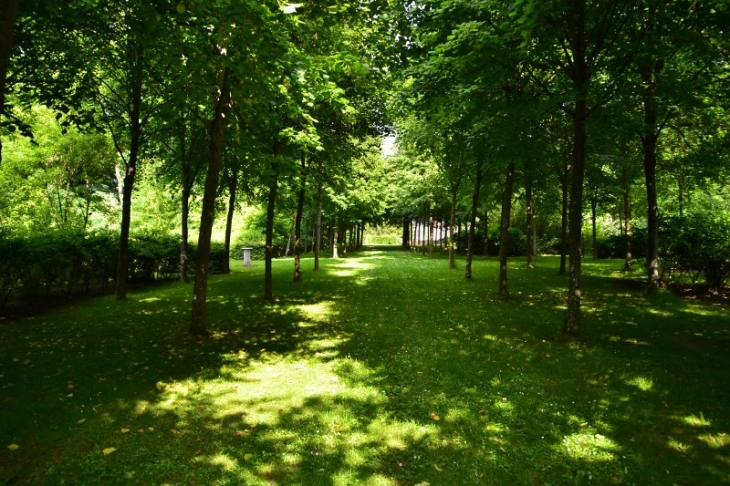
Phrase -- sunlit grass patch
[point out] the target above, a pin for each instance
(641, 382)
(589, 447)
(716, 441)
(397, 374)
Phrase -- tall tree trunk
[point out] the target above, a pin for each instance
(318, 228)
(232, 186)
(580, 79)
(405, 243)
(652, 257)
(575, 221)
(270, 207)
(291, 235)
(135, 57)
(452, 218)
(298, 222)
(473, 219)
(185, 213)
(594, 238)
(486, 232)
(8, 14)
(215, 156)
(431, 236)
(504, 228)
(627, 218)
(335, 239)
(649, 69)
(529, 232)
(564, 183)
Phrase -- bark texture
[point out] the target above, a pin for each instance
(215, 157)
(135, 59)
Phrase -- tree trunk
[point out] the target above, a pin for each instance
(627, 219)
(649, 70)
(431, 236)
(185, 213)
(528, 202)
(215, 156)
(575, 223)
(652, 256)
(291, 235)
(318, 228)
(298, 222)
(135, 59)
(8, 14)
(580, 79)
(452, 218)
(504, 228)
(273, 188)
(232, 186)
(405, 242)
(486, 232)
(335, 239)
(594, 239)
(564, 180)
(473, 219)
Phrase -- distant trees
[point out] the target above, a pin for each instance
(501, 69)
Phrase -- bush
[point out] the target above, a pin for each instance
(64, 263)
(694, 244)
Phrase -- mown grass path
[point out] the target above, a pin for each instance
(383, 368)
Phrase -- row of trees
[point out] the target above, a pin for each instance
(582, 96)
(236, 97)
(572, 105)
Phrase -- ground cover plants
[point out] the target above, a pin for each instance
(383, 368)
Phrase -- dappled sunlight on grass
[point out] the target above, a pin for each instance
(589, 447)
(383, 368)
(643, 383)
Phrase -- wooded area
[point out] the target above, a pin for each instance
(532, 159)
(613, 112)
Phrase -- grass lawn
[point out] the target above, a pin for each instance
(384, 368)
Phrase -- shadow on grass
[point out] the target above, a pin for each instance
(381, 369)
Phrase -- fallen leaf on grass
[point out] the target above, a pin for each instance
(437, 468)
(424, 483)
(81, 421)
(108, 450)
(435, 417)
(247, 457)
(124, 431)
(13, 447)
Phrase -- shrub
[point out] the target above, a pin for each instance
(694, 244)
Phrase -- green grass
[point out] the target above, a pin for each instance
(383, 368)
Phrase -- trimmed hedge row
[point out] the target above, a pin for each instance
(58, 263)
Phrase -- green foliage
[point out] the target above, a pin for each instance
(696, 243)
(54, 263)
